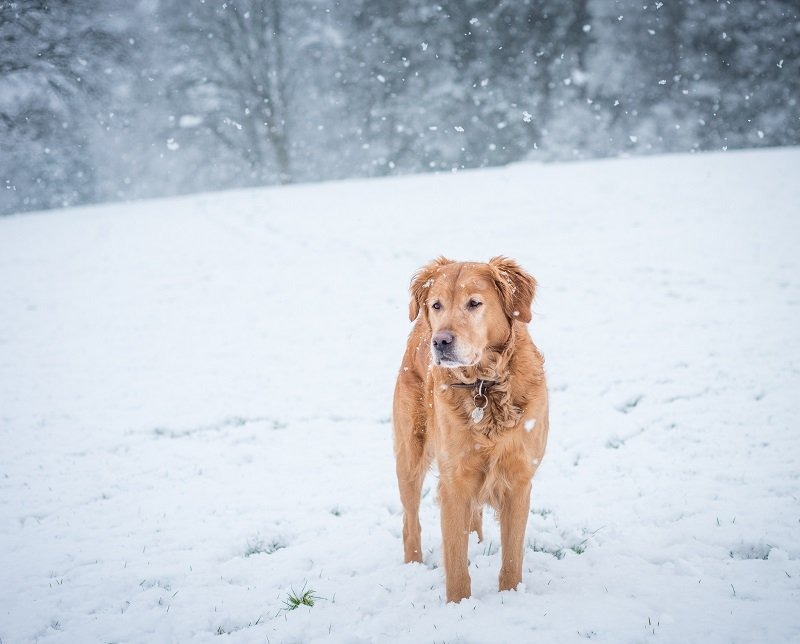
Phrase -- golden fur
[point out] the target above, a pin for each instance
(477, 315)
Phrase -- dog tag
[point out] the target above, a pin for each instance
(477, 415)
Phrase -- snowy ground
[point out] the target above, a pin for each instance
(195, 398)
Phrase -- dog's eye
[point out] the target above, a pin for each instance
(436, 305)
(474, 304)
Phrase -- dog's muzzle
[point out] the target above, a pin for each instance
(443, 350)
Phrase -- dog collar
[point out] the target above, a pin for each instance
(479, 385)
(480, 399)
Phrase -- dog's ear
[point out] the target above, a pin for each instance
(420, 284)
(517, 288)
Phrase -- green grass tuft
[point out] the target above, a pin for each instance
(303, 598)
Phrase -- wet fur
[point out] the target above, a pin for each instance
(487, 463)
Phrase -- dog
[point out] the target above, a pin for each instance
(471, 393)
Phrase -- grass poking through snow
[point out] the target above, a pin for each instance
(257, 546)
(303, 598)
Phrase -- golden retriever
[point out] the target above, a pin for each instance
(471, 392)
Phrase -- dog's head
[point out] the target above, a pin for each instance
(470, 307)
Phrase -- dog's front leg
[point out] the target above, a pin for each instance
(456, 501)
(513, 518)
(412, 463)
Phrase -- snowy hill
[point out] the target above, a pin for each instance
(195, 398)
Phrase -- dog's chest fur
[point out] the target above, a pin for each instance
(497, 450)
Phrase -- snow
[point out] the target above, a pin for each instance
(196, 394)
(189, 120)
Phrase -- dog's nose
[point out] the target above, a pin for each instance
(442, 340)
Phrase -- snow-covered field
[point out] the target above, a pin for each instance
(195, 398)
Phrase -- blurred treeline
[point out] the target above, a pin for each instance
(106, 99)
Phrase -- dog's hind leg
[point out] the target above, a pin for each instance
(476, 523)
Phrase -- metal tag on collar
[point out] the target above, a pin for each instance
(478, 398)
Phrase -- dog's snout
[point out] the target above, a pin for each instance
(442, 340)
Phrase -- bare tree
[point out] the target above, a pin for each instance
(232, 73)
(50, 53)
